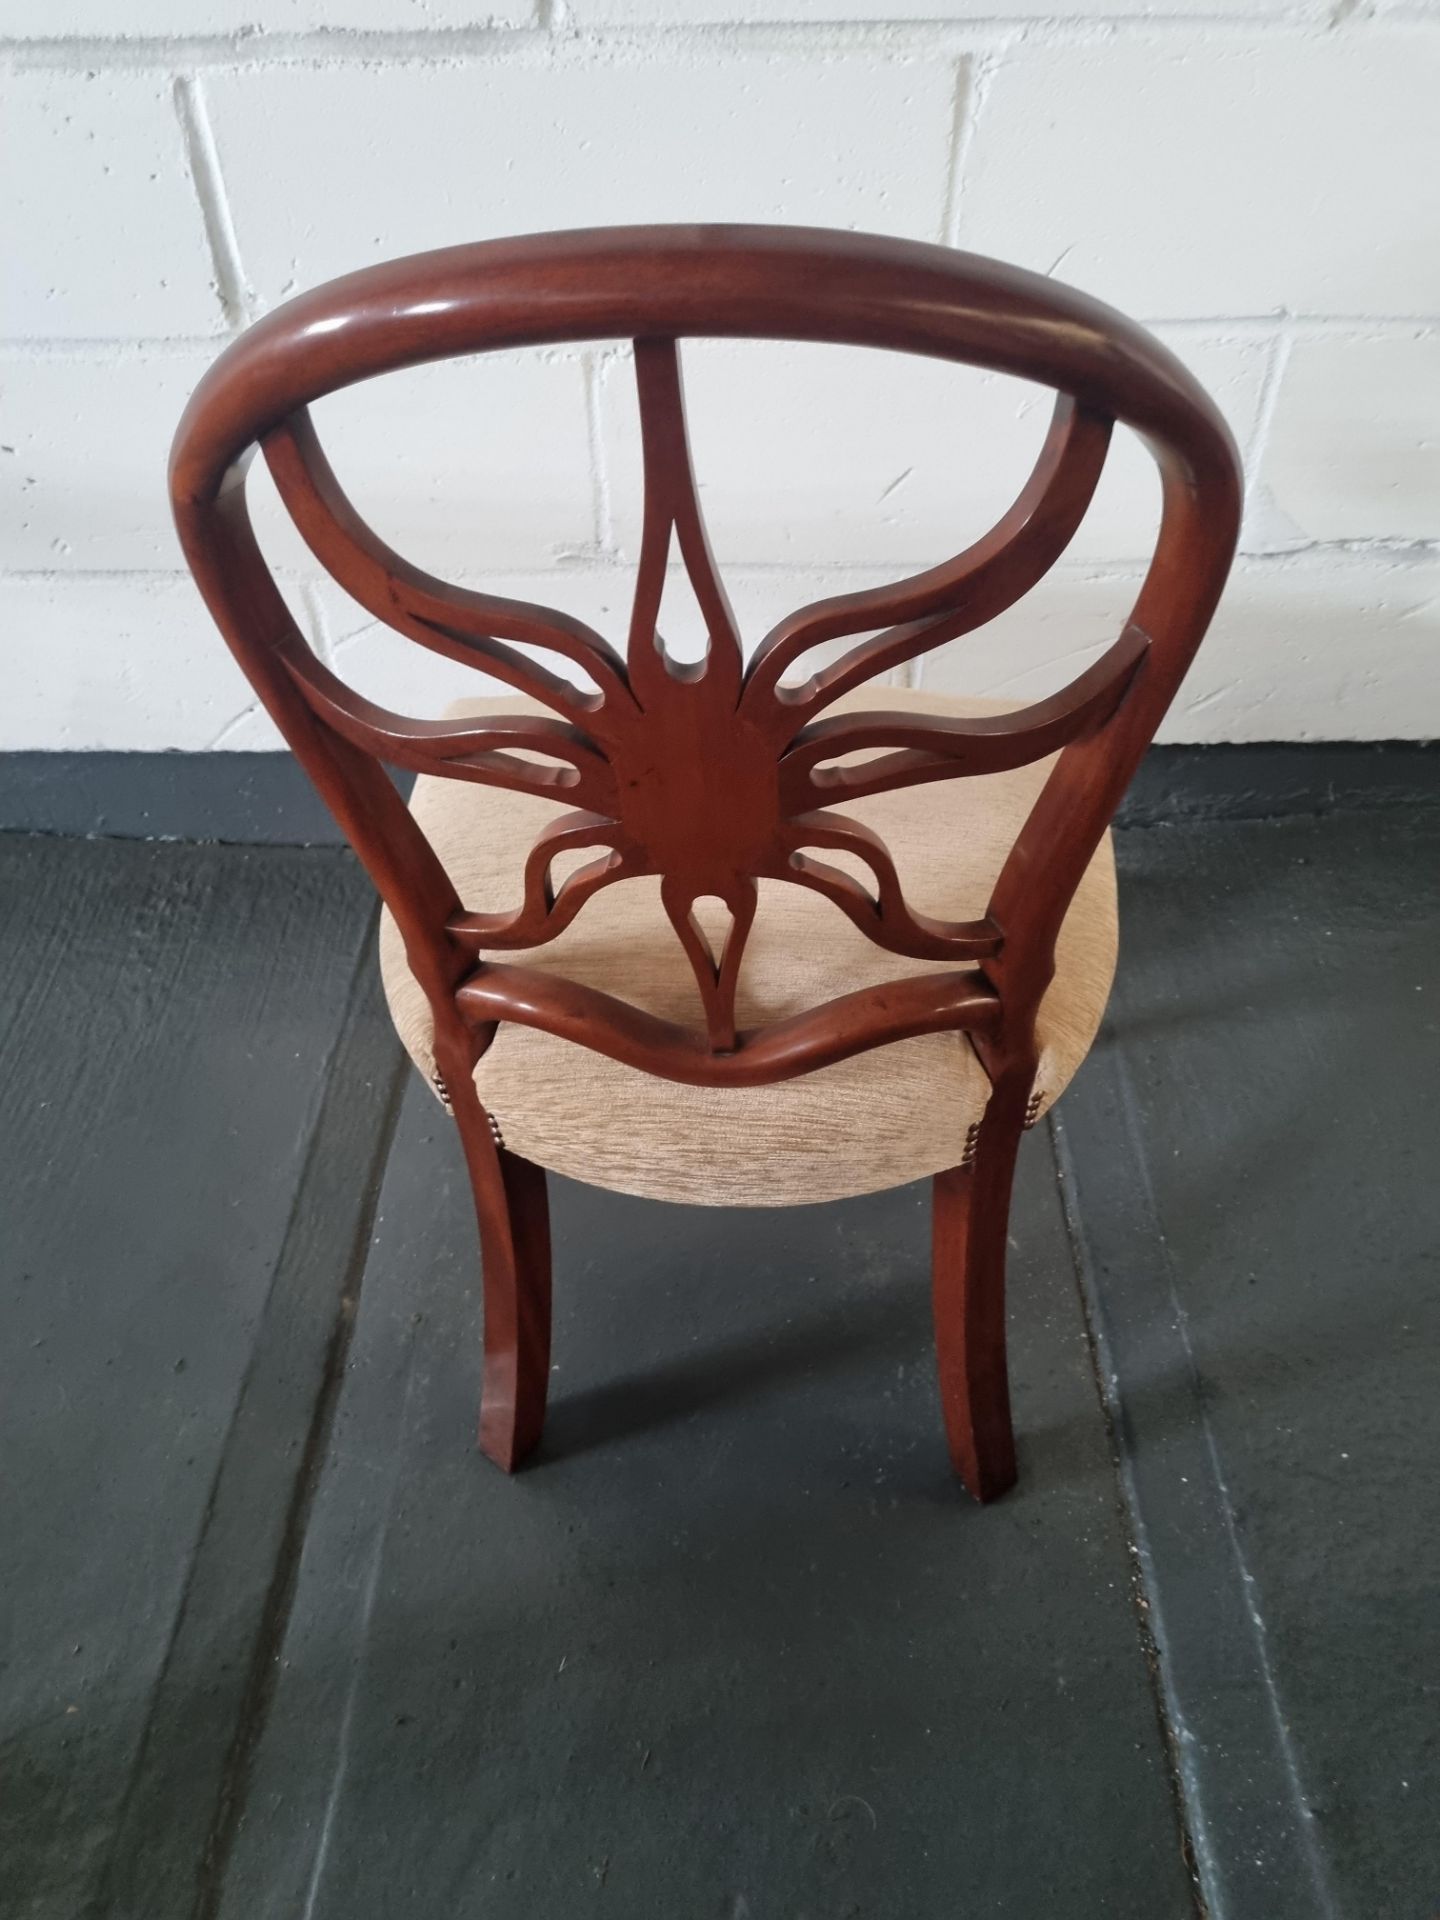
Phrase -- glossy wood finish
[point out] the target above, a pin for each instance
(970, 1220)
(641, 752)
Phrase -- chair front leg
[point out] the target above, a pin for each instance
(970, 1228)
(512, 1209)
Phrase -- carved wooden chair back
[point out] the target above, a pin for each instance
(716, 775)
(712, 777)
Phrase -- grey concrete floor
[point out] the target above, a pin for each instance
(276, 1641)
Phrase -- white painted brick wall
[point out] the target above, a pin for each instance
(100, 231)
(1258, 179)
(1179, 175)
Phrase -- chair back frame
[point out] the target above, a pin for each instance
(712, 776)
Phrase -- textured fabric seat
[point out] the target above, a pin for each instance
(893, 1114)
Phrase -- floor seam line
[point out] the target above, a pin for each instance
(269, 1639)
(101, 1904)
(1139, 1584)
(1208, 1857)
(1237, 1553)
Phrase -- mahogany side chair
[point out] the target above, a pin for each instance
(710, 1005)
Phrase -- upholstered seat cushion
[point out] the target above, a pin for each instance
(878, 1120)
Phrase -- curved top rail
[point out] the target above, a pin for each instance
(790, 283)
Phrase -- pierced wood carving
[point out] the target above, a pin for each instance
(705, 775)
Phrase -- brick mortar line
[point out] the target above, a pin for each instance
(898, 39)
(238, 304)
(1258, 443)
(172, 346)
(1202, 329)
(597, 363)
(312, 603)
(971, 83)
(616, 564)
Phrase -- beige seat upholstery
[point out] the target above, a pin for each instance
(878, 1120)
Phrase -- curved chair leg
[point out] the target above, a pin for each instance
(513, 1212)
(970, 1226)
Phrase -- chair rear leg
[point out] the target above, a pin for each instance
(512, 1208)
(970, 1227)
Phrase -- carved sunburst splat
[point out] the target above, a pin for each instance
(703, 775)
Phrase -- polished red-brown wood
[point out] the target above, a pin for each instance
(712, 776)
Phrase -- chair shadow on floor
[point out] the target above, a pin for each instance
(893, 1326)
(890, 1330)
